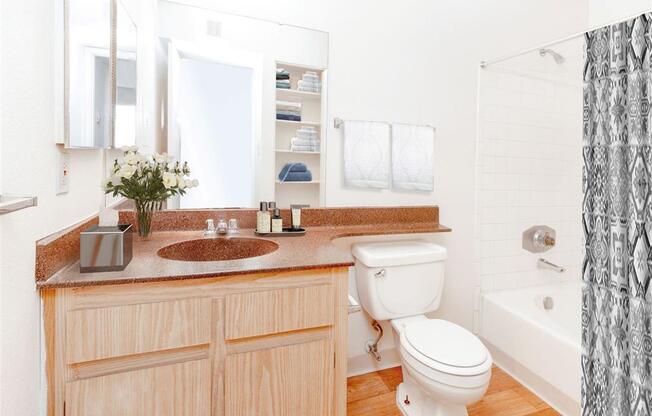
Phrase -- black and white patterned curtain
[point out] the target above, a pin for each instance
(617, 219)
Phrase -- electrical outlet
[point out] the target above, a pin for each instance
(213, 28)
(63, 174)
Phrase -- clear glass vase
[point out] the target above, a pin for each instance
(144, 213)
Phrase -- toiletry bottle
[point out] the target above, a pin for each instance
(271, 206)
(263, 219)
(277, 221)
(296, 216)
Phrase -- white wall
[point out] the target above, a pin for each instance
(530, 165)
(413, 63)
(604, 12)
(27, 165)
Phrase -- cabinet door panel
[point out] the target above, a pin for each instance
(94, 334)
(292, 380)
(179, 389)
(276, 311)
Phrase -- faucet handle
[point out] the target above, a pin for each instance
(210, 228)
(233, 226)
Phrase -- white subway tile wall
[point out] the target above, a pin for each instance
(529, 173)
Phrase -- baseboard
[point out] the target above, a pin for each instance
(363, 364)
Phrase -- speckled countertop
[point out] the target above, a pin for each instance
(312, 251)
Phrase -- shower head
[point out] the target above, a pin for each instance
(558, 58)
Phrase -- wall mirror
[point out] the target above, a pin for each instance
(87, 67)
(124, 105)
(240, 95)
(100, 74)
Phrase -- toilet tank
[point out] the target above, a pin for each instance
(399, 278)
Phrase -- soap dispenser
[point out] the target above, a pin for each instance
(277, 221)
(263, 219)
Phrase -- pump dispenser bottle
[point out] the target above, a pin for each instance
(263, 219)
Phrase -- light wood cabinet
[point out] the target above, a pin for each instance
(260, 344)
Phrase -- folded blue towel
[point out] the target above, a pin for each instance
(292, 167)
(288, 117)
(296, 177)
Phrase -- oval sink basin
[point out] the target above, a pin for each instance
(217, 249)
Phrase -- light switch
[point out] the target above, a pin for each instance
(63, 173)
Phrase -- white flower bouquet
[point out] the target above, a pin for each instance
(148, 181)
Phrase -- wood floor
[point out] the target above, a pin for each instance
(373, 394)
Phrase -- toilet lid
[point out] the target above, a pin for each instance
(446, 343)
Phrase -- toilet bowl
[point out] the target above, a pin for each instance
(445, 367)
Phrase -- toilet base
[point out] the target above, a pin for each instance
(421, 405)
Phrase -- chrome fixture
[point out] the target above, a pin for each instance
(539, 238)
(545, 264)
(558, 57)
(210, 230)
(222, 227)
(372, 347)
(233, 226)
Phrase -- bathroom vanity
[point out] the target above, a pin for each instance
(266, 343)
(194, 326)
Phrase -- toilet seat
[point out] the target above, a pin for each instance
(443, 351)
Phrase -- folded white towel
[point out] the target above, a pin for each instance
(289, 104)
(366, 154)
(413, 157)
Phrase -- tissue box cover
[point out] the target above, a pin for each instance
(104, 249)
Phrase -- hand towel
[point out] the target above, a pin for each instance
(413, 157)
(296, 177)
(366, 154)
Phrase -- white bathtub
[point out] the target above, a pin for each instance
(539, 347)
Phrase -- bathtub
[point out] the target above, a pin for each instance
(539, 347)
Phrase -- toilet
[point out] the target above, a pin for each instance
(445, 367)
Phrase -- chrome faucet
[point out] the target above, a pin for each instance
(222, 228)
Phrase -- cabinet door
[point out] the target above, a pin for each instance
(289, 380)
(177, 389)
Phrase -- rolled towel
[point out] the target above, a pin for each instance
(289, 113)
(296, 177)
(283, 86)
(282, 75)
(288, 117)
(293, 167)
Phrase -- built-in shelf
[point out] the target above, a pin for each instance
(296, 153)
(14, 203)
(298, 123)
(284, 93)
(312, 113)
(297, 182)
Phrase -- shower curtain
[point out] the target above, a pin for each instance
(617, 220)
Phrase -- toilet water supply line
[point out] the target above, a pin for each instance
(372, 347)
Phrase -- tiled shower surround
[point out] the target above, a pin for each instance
(529, 168)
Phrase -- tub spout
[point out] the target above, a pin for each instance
(545, 264)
